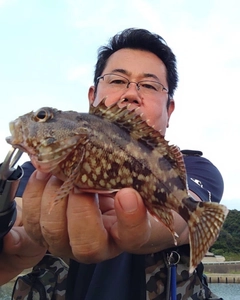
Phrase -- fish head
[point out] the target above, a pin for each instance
(48, 135)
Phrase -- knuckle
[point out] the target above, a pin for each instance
(53, 235)
(32, 227)
(133, 240)
(88, 252)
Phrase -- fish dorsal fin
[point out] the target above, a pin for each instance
(132, 121)
(177, 156)
(129, 119)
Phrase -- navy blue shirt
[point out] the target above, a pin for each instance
(123, 277)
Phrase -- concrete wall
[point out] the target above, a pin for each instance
(223, 268)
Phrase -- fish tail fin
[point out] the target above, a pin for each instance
(204, 224)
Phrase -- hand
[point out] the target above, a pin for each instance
(19, 253)
(88, 228)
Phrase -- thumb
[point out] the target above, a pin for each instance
(132, 229)
(19, 253)
(18, 242)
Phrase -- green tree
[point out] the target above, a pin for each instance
(228, 242)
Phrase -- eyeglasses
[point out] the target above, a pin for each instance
(119, 82)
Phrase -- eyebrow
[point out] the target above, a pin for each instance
(145, 75)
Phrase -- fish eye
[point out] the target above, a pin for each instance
(42, 115)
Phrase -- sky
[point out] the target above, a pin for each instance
(48, 51)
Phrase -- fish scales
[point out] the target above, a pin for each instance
(114, 147)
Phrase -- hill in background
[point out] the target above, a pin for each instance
(228, 242)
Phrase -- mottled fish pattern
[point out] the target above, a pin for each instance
(114, 147)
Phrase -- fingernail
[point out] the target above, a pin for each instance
(128, 202)
(15, 236)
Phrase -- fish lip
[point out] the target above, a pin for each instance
(12, 140)
(9, 140)
(18, 144)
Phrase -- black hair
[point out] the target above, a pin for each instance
(141, 39)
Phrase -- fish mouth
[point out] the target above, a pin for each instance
(16, 139)
(9, 140)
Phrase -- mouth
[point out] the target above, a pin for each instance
(16, 139)
(10, 140)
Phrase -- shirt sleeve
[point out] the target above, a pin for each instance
(203, 178)
(28, 169)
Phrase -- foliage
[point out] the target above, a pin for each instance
(228, 242)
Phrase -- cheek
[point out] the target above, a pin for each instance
(157, 117)
(110, 99)
(97, 99)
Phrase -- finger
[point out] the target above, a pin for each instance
(32, 198)
(18, 243)
(18, 221)
(19, 253)
(54, 222)
(133, 228)
(106, 204)
(88, 237)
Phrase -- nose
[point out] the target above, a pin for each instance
(132, 94)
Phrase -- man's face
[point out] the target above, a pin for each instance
(137, 65)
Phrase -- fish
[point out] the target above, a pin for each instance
(112, 147)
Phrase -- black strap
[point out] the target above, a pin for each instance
(192, 152)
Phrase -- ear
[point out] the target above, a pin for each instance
(171, 108)
(91, 94)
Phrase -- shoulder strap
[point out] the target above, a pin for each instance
(46, 281)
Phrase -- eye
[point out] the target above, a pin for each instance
(118, 81)
(149, 86)
(42, 115)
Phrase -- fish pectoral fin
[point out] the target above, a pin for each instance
(100, 192)
(68, 185)
(165, 216)
(66, 188)
(204, 224)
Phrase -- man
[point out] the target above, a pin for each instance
(110, 239)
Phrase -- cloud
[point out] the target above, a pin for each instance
(95, 18)
(203, 35)
(232, 203)
(81, 72)
(4, 3)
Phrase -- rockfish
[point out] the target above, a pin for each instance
(110, 148)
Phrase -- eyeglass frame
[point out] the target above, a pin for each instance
(137, 83)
